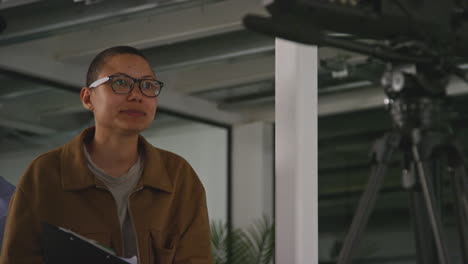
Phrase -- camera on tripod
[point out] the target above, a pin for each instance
(422, 42)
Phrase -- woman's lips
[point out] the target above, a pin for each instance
(134, 113)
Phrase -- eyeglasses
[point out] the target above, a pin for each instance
(124, 84)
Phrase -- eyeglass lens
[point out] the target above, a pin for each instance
(122, 84)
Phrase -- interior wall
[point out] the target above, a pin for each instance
(253, 174)
(13, 164)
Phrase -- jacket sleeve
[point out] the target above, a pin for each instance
(194, 245)
(21, 241)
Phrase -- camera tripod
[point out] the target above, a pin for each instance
(429, 151)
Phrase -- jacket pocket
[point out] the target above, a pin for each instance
(161, 247)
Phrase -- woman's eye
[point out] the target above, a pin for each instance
(121, 82)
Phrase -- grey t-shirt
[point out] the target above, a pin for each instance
(121, 188)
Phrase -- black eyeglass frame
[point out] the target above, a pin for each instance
(132, 86)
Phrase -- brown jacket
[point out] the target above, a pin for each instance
(168, 207)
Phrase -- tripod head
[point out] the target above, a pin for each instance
(416, 97)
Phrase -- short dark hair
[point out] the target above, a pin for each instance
(101, 58)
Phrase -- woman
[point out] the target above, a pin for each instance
(109, 184)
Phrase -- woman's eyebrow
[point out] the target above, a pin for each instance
(143, 77)
(121, 73)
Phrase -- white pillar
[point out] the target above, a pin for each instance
(252, 177)
(296, 154)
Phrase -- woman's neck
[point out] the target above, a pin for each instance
(113, 152)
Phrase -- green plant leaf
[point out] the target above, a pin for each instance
(253, 246)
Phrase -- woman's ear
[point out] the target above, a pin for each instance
(85, 96)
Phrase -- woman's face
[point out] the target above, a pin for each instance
(123, 113)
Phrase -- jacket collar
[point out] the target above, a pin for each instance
(77, 176)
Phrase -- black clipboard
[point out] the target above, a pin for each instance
(65, 246)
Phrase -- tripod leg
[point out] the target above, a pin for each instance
(434, 216)
(384, 148)
(463, 184)
(461, 205)
(425, 247)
